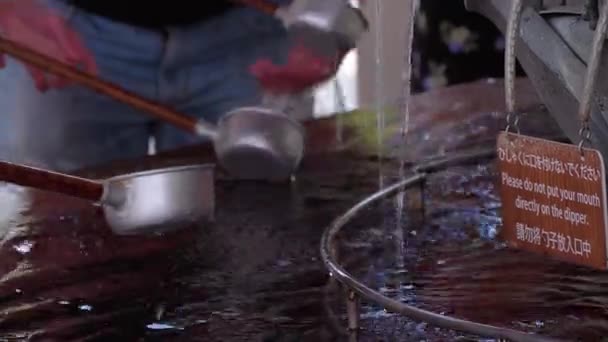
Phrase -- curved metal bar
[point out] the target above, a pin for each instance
(341, 275)
(462, 158)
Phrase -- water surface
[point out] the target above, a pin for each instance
(255, 274)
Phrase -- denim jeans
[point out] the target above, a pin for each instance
(201, 70)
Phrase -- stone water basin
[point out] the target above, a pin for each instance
(255, 275)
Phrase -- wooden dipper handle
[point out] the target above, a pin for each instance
(58, 68)
(51, 181)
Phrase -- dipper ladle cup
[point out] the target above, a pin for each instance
(148, 202)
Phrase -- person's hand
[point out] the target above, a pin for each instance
(314, 57)
(304, 69)
(31, 23)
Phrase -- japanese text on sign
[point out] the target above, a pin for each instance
(553, 200)
(549, 164)
(553, 240)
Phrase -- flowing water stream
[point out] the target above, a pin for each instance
(405, 124)
(379, 96)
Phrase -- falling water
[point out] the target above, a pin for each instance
(341, 110)
(393, 233)
(379, 97)
(406, 75)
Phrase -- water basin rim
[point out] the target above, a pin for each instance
(264, 111)
(165, 170)
(341, 275)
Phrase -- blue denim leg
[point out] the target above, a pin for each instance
(8, 75)
(206, 67)
(201, 70)
(75, 127)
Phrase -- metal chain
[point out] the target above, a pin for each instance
(510, 65)
(512, 120)
(584, 112)
(407, 74)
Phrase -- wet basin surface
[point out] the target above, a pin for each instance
(255, 274)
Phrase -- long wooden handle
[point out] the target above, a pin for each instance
(58, 68)
(51, 181)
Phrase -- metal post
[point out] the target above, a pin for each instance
(422, 201)
(333, 252)
(353, 314)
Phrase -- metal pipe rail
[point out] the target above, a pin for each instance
(356, 288)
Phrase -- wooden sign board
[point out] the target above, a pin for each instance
(553, 199)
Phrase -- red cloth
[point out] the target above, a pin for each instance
(304, 69)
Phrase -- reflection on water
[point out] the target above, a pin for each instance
(13, 201)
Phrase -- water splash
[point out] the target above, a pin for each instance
(162, 326)
(85, 307)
